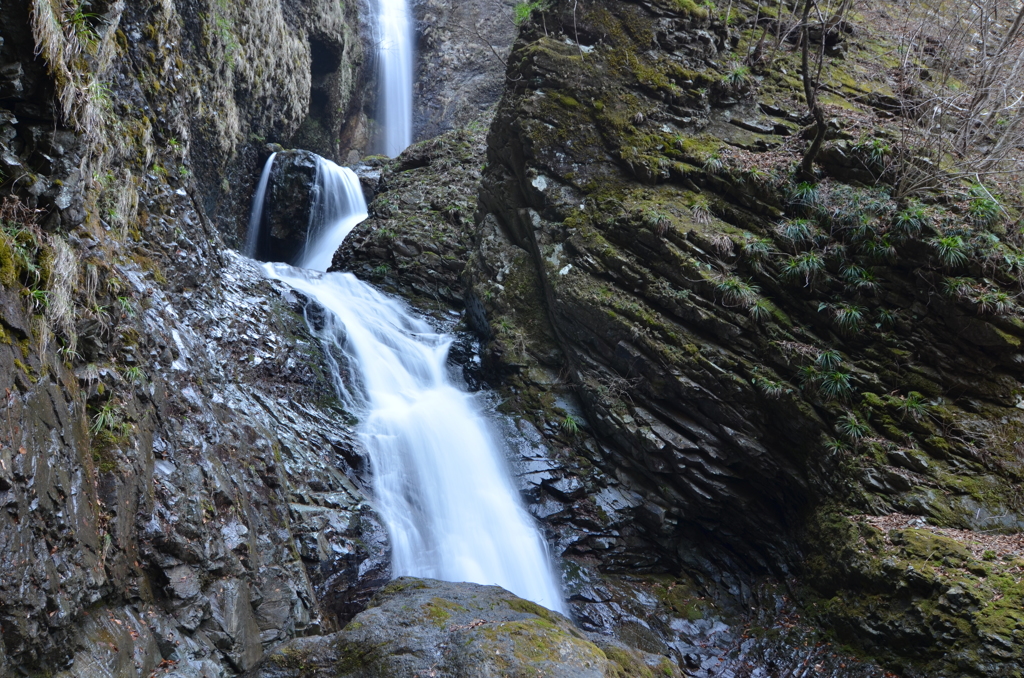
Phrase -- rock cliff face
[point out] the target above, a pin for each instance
(719, 383)
(168, 502)
(750, 383)
(463, 48)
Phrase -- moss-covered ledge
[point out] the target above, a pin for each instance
(951, 600)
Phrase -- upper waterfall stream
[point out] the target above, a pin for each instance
(395, 45)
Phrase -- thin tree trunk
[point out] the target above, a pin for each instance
(806, 172)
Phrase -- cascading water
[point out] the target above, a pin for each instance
(256, 216)
(395, 45)
(438, 478)
(337, 206)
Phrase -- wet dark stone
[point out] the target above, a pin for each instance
(286, 207)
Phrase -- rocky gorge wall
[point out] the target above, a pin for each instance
(749, 420)
(753, 383)
(172, 474)
(741, 376)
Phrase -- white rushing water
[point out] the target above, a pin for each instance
(337, 206)
(395, 57)
(252, 236)
(439, 480)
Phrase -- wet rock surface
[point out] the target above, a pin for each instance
(463, 46)
(222, 523)
(176, 487)
(286, 207)
(416, 626)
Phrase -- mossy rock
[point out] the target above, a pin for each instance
(917, 599)
(417, 627)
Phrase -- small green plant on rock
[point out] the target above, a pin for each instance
(760, 310)
(914, 405)
(106, 419)
(797, 231)
(835, 385)
(80, 23)
(701, 210)
(758, 251)
(714, 164)
(993, 301)
(737, 77)
(522, 11)
(848, 317)
(691, 8)
(807, 266)
(736, 292)
(951, 250)
(852, 428)
(828, 377)
(959, 288)
(829, 359)
(879, 248)
(127, 308)
(656, 220)
(859, 278)
(133, 374)
(771, 388)
(983, 209)
(837, 446)
(910, 221)
(40, 298)
(804, 194)
(885, 319)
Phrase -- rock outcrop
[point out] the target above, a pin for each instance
(746, 382)
(420, 626)
(287, 204)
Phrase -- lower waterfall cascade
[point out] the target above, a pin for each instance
(337, 206)
(438, 477)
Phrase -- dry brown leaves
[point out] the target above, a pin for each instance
(975, 542)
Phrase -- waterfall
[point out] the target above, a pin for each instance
(252, 236)
(439, 480)
(395, 45)
(337, 205)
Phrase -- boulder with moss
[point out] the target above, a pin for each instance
(419, 627)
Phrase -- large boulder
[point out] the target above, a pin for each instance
(422, 627)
